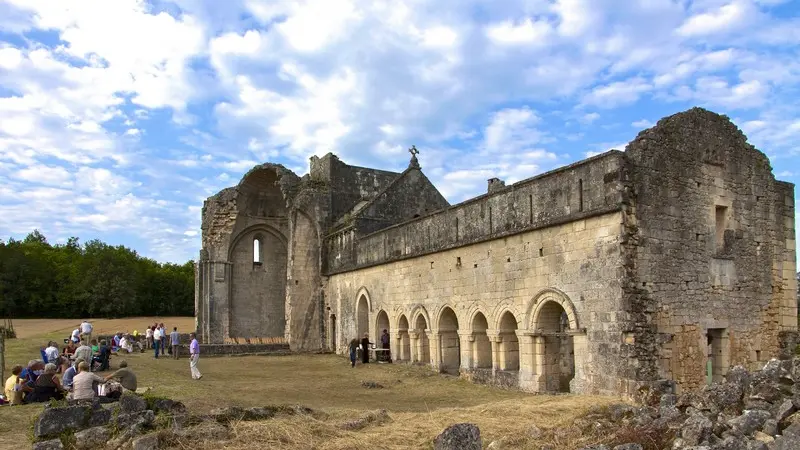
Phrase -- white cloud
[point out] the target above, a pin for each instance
(719, 20)
(644, 123)
(525, 32)
(617, 93)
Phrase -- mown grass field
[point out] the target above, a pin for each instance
(420, 402)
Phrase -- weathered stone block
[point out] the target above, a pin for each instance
(461, 436)
(53, 444)
(54, 421)
(92, 438)
(132, 403)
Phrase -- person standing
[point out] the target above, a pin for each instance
(156, 340)
(86, 330)
(353, 348)
(194, 355)
(385, 345)
(163, 338)
(365, 343)
(149, 337)
(174, 338)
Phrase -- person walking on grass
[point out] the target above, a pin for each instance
(175, 341)
(194, 355)
(353, 348)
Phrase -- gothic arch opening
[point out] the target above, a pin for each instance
(332, 343)
(509, 343)
(403, 351)
(558, 366)
(362, 316)
(449, 343)
(481, 347)
(423, 351)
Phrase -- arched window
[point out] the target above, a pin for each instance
(257, 250)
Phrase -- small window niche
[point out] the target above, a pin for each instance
(721, 219)
(257, 251)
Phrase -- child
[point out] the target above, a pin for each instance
(353, 347)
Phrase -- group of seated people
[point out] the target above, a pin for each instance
(39, 382)
(97, 356)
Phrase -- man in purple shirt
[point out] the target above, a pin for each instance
(194, 355)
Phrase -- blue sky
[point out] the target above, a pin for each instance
(118, 118)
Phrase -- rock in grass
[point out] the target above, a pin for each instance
(461, 436)
(371, 418)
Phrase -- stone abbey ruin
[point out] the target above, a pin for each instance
(669, 262)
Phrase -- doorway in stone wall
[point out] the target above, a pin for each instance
(449, 343)
(332, 333)
(558, 361)
(718, 360)
(382, 323)
(403, 351)
(481, 347)
(423, 351)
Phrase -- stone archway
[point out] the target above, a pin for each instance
(556, 366)
(508, 359)
(403, 352)
(422, 351)
(482, 347)
(381, 323)
(450, 348)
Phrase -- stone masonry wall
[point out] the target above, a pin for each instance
(711, 253)
(562, 195)
(581, 258)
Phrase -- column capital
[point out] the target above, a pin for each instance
(413, 334)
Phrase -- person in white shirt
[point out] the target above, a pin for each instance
(86, 330)
(126, 344)
(149, 336)
(54, 356)
(76, 335)
(157, 340)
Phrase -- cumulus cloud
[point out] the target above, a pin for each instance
(109, 130)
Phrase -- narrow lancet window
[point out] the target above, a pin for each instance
(257, 251)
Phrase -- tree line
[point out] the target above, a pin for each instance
(40, 280)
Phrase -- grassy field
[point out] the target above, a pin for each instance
(420, 402)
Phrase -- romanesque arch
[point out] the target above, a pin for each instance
(508, 355)
(381, 323)
(258, 256)
(553, 316)
(403, 344)
(449, 345)
(482, 346)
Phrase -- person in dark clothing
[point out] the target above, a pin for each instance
(103, 357)
(46, 387)
(365, 343)
(385, 345)
(353, 348)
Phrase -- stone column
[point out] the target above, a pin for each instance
(414, 347)
(396, 346)
(580, 347)
(497, 352)
(538, 380)
(467, 340)
(435, 341)
(526, 360)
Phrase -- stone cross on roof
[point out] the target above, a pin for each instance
(414, 152)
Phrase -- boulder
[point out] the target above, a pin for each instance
(749, 422)
(54, 421)
(131, 420)
(763, 437)
(371, 385)
(53, 444)
(770, 427)
(168, 406)
(723, 397)
(100, 417)
(696, 430)
(146, 442)
(132, 403)
(92, 438)
(205, 431)
(460, 436)
(783, 410)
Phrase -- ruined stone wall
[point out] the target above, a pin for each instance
(581, 258)
(565, 194)
(709, 230)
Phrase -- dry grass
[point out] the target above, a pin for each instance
(420, 402)
(28, 328)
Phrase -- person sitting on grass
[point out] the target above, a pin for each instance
(69, 349)
(29, 376)
(124, 376)
(69, 375)
(126, 344)
(84, 351)
(95, 347)
(13, 386)
(83, 383)
(103, 357)
(47, 386)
